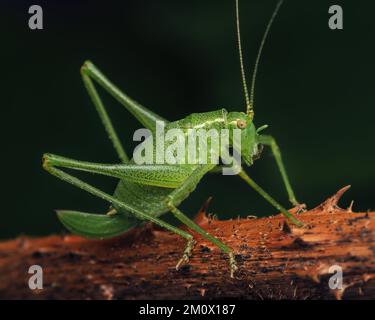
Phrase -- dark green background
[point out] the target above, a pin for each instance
(315, 89)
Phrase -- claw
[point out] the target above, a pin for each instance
(111, 212)
(301, 207)
(187, 253)
(232, 264)
(182, 261)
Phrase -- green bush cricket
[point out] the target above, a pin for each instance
(145, 192)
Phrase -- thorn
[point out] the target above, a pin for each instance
(206, 204)
(107, 291)
(360, 291)
(350, 206)
(285, 228)
(315, 272)
(331, 203)
(187, 286)
(202, 292)
(367, 277)
(201, 217)
(338, 293)
(299, 243)
(295, 292)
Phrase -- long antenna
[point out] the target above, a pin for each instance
(250, 101)
(249, 107)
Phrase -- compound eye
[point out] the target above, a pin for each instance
(241, 124)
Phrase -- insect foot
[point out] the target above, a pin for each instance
(232, 264)
(301, 207)
(187, 253)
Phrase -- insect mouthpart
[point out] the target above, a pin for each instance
(258, 151)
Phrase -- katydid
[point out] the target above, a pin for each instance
(145, 192)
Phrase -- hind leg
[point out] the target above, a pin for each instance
(145, 116)
(87, 224)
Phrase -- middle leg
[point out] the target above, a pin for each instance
(175, 196)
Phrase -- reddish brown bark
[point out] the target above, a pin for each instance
(275, 261)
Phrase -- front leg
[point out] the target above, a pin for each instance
(270, 141)
(271, 200)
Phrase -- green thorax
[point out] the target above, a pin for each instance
(206, 120)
